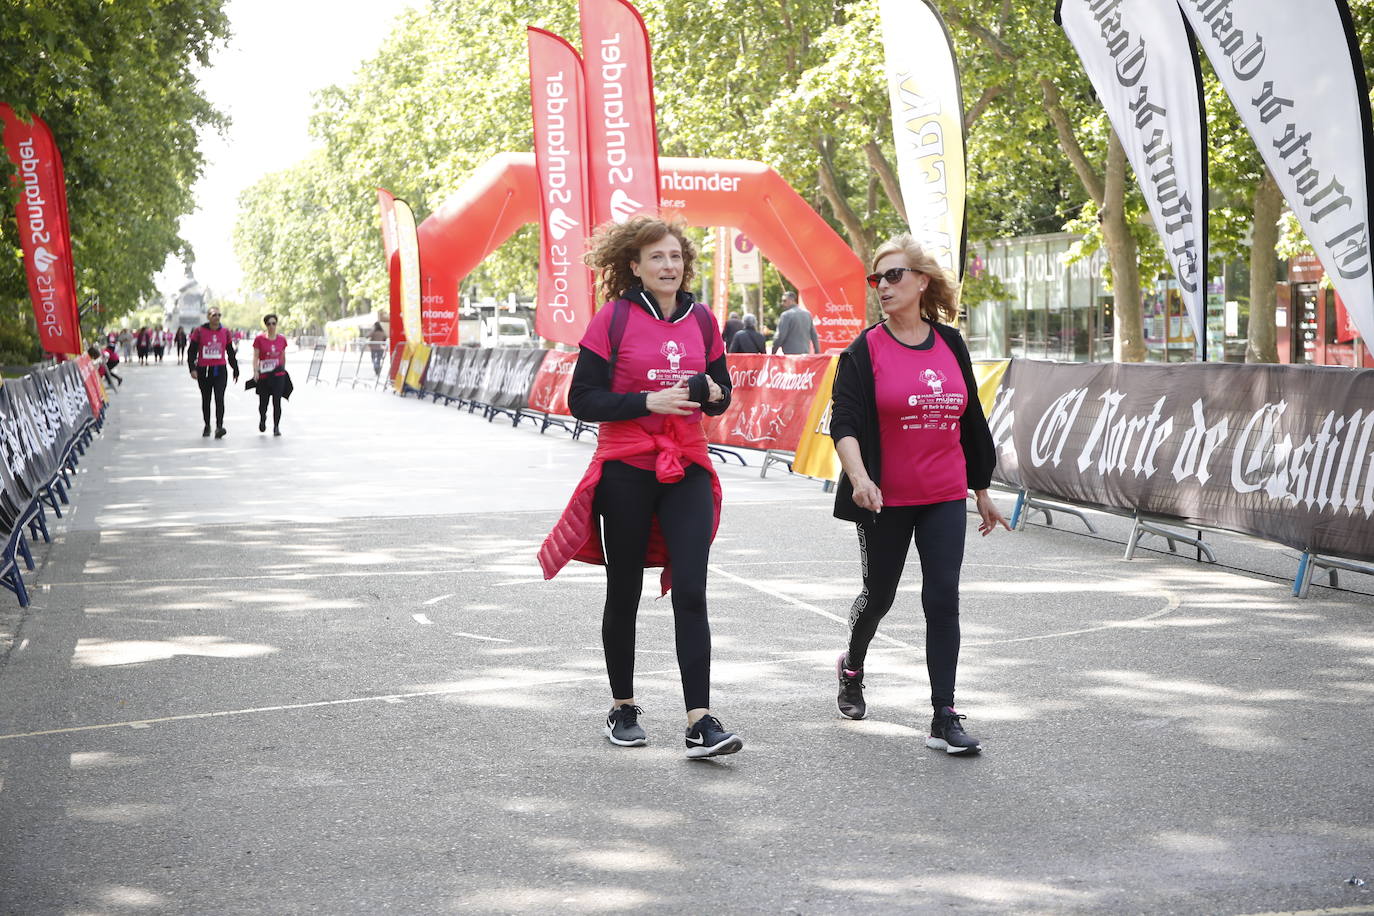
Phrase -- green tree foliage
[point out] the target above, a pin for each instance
(794, 83)
(116, 82)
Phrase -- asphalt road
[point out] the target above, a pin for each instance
(323, 674)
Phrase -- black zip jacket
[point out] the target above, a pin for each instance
(590, 397)
(854, 412)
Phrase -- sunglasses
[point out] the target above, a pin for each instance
(892, 275)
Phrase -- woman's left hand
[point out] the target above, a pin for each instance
(715, 392)
(988, 511)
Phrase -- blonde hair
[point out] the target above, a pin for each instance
(615, 245)
(940, 302)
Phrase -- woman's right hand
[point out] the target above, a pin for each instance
(672, 401)
(867, 495)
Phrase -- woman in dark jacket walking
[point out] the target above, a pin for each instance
(912, 439)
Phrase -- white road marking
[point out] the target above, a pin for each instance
(433, 601)
(803, 605)
(422, 619)
(485, 638)
(1334, 911)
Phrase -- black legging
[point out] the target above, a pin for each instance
(212, 379)
(626, 500)
(269, 388)
(939, 535)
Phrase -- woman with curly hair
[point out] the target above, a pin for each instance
(912, 440)
(651, 363)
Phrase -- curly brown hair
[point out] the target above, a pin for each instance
(615, 245)
(941, 299)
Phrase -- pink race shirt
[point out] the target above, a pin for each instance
(271, 352)
(654, 354)
(213, 345)
(921, 396)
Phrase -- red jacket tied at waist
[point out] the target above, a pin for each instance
(576, 536)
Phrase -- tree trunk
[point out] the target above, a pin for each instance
(892, 187)
(1262, 344)
(853, 226)
(1129, 343)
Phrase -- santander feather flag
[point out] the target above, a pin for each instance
(564, 302)
(622, 135)
(43, 232)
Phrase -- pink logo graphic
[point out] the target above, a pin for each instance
(935, 379)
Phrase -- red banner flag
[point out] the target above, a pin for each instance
(621, 132)
(565, 297)
(386, 202)
(43, 232)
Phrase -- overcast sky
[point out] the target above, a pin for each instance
(280, 52)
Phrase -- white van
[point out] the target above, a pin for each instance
(507, 331)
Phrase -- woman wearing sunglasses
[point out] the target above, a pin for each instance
(912, 440)
(269, 368)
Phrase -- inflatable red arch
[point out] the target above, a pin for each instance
(503, 195)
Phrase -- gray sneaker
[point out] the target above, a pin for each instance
(623, 728)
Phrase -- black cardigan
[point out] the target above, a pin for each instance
(854, 412)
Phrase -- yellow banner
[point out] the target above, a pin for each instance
(409, 246)
(816, 451)
(402, 365)
(927, 126)
(419, 358)
(988, 373)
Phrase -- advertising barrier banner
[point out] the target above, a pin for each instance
(770, 401)
(816, 455)
(467, 383)
(1279, 452)
(419, 357)
(508, 377)
(439, 358)
(549, 391)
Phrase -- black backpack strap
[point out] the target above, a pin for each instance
(619, 316)
(708, 326)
